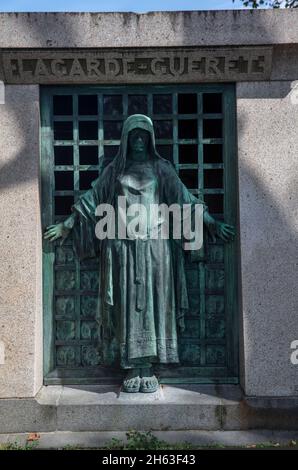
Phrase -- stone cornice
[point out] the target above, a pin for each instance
(153, 29)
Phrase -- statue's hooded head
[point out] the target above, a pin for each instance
(135, 121)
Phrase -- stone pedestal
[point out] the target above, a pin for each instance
(173, 408)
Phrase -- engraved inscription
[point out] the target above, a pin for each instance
(135, 66)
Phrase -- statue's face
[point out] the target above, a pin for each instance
(138, 140)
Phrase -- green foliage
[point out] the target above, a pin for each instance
(137, 440)
(270, 3)
(17, 446)
(144, 441)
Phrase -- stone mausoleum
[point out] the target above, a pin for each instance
(221, 88)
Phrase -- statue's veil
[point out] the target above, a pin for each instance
(134, 121)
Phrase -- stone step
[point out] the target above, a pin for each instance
(171, 408)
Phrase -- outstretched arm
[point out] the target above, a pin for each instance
(218, 229)
(176, 192)
(82, 221)
(61, 230)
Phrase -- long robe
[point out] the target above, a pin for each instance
(142, 283)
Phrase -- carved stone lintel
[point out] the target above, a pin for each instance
(137, 66)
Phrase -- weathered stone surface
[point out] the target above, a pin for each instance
(138, 66)
(1, 68)
(177, 408)
(102, 408)
(240, 416)
(97, 439)
(26, 415)
(139, 417)
(285, 62)
(20, 244)
(153, 29)
(267, 116)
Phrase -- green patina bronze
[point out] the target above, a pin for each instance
(142, 283)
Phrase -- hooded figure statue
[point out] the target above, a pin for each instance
(142, 284)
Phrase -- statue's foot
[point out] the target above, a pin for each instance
(131, 383)
(149, 382)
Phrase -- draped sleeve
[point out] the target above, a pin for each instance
(175, 192)
(86, 243)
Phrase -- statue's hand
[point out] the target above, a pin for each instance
(221, 230)
(53, 232)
